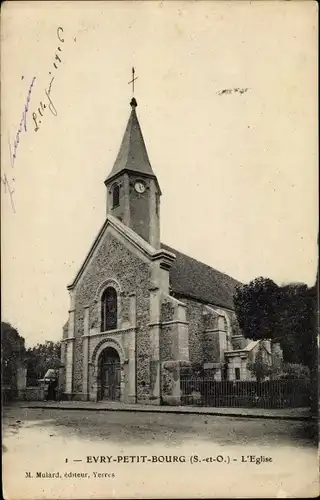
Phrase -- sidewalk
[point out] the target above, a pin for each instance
(278, 414)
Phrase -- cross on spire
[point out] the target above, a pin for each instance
(133, 80)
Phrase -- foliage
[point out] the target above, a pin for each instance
(295, 371)
(259, 367)
(298, 324)
(285, 314)
(40, 358)
(235, 326)
(256, 308)
(12, 352)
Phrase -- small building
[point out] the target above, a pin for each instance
(238, 359)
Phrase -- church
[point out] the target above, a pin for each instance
(142, 314)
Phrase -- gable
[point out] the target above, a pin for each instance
(114, 261)
(130, 239)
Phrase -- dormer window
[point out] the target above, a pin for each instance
(115, 196)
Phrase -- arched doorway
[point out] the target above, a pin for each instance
(109, 375)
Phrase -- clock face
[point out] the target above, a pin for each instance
(140, 187)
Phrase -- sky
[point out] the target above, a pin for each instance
(227, 103)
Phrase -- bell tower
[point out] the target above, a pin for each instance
(133, 191)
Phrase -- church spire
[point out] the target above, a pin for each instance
(133, 192)
(132, 154)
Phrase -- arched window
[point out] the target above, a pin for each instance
(109, 309)
(115, 196)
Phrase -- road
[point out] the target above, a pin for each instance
(134, 455)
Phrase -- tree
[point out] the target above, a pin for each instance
(297, 320)
(256, 308)
(295, 371)
(12, 352)
(259, 368)
(40, 358)
(285, 315)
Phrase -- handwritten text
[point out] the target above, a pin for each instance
(22, 126)
(232, 91)
(47, 102)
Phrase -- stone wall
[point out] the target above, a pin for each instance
(174, 348)
(65, 329)
(171, 372)
(120, 211)
(239, 362)
(114, 261)
(239, 342)
(194, 316)
(140, 209)
(202, 319)
(140, 213)
(167, 344)
(167, 311)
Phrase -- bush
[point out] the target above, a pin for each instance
(295, 371)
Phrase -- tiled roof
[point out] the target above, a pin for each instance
(251, 345)
(191, 278)
(132, 154)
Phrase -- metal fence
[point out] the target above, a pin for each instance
(245, 394)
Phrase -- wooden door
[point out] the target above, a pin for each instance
(110, 376)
